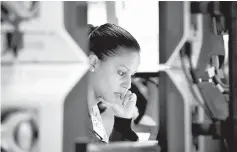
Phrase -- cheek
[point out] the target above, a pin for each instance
(112, 82)
(110, 78)
(108, 82)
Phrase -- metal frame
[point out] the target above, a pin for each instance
(232, 26)
(33, 86)
(175, 96)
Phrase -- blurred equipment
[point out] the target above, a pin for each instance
(44, 86)
(42, 83)
(194, 108)
(13, 14)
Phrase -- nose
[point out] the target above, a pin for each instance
(127, 83)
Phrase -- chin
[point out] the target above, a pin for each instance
(110, 99)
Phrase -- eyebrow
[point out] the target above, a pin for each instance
(124, 67)
(128, 69)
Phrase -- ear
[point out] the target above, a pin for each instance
(94, 62)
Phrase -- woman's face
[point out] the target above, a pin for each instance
(112, 77)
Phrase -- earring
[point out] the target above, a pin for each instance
(92, 69)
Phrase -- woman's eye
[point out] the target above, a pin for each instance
(121, 73)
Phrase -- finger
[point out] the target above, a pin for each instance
(132, 100)
(124, 94)
(127, 97)
(131, 105)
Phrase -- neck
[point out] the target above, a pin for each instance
(91, 96)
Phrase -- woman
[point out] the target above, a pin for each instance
(114, 58)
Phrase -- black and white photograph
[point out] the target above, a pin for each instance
(118, 76)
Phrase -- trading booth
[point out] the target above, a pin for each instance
(44, 68)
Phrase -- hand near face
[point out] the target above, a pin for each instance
(123, 107)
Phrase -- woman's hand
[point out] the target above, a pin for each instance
(125, 106)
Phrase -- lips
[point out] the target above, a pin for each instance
(117, 93)
(121, 94)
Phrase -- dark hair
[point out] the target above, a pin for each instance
(105, 39)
